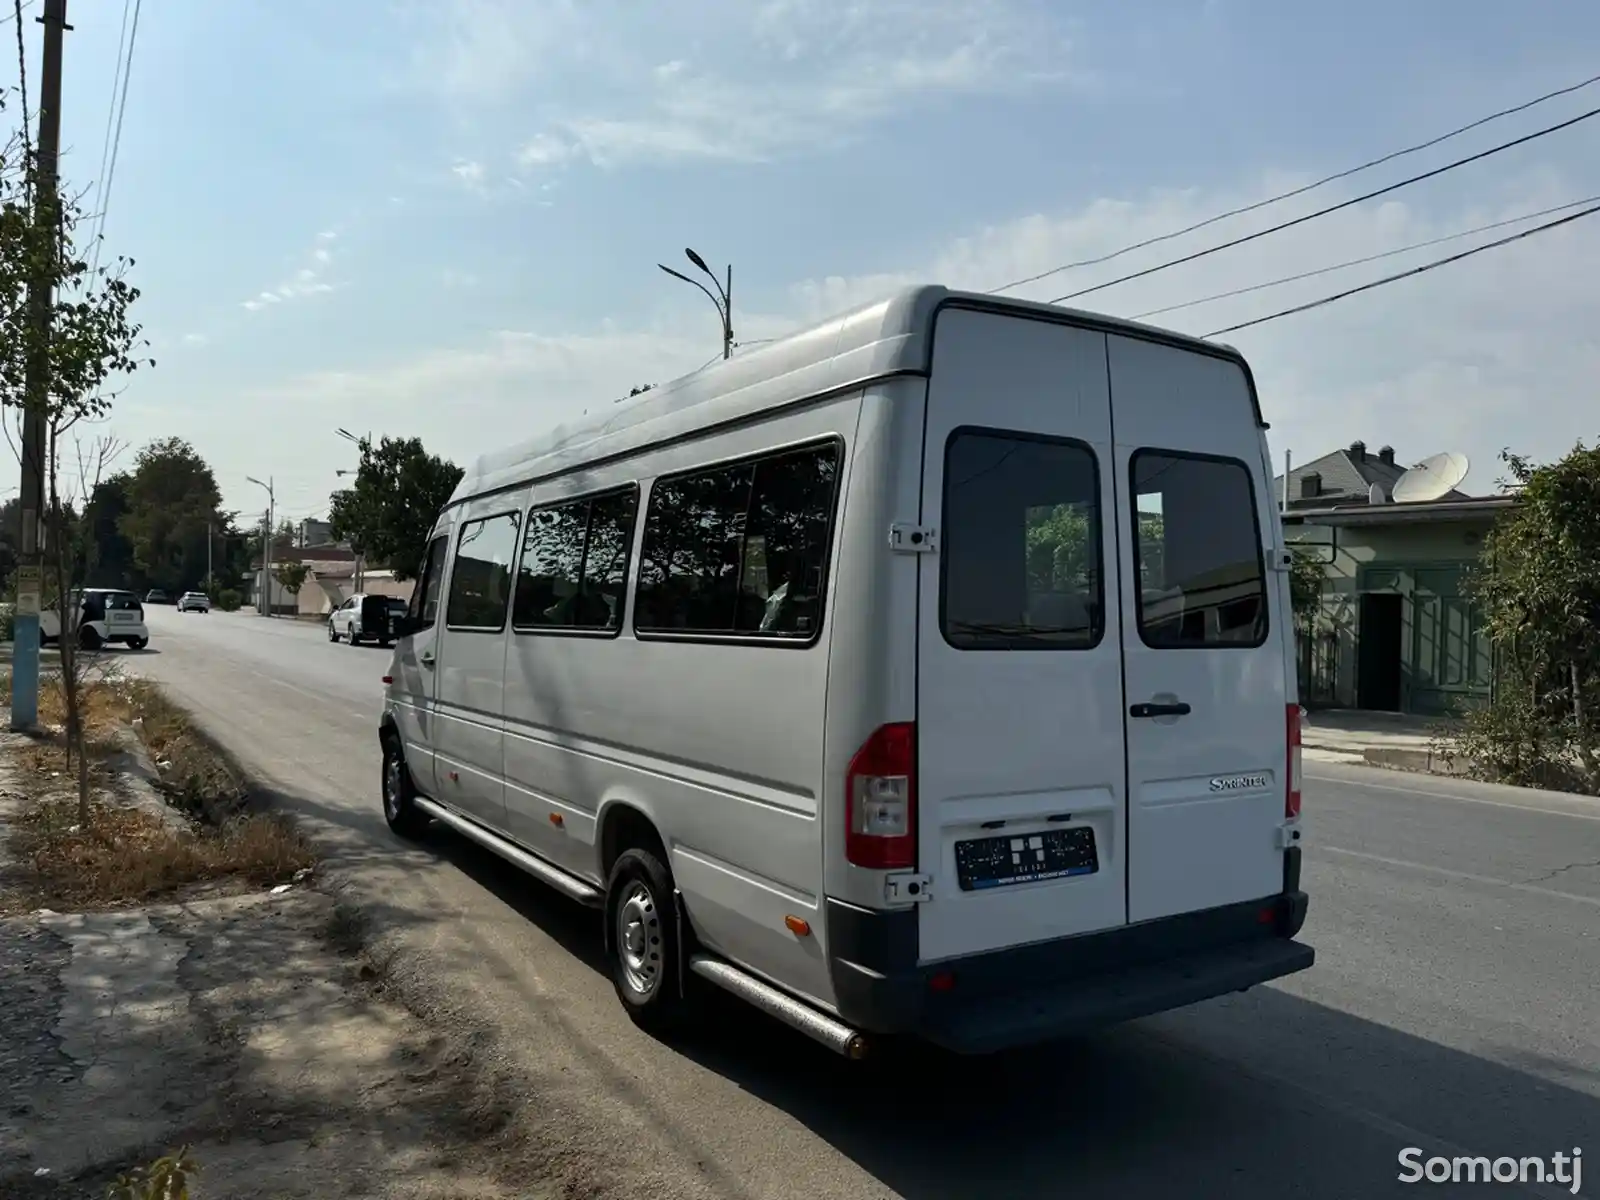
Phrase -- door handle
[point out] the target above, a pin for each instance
(1179, 709)
(426, 658)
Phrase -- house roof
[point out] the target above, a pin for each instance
(1463, 509)
(1346, 477)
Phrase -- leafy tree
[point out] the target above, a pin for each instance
(56, 370)
(112, 562)
(292, 575)
(1539, 588)
(173, 507)
(1306, 574)
(398, 492)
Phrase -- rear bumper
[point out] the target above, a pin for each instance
(1042, 992)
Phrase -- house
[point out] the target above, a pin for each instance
(333, 573)
(1397, 630)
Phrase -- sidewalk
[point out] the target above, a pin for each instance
(1375, 739)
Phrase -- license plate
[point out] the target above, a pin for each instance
(1025, 858)
(121, 618)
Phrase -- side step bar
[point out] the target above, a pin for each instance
(568, 885)
(815, 1024)
(833, 1034)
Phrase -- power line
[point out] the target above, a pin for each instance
(111, 109)
(1425, 267)
(1356, 262)
(116, 141)
(16, 14)
(1333, 208)
(1300, 191)
(22, 89)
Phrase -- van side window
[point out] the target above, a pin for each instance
(574, 572)
(480, 581)
(1202, 579)
(424, 606)
(1022, 549)
(740, 550)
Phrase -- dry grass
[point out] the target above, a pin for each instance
(129, 855)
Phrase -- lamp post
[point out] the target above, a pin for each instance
(722, 300)
(266, 542)
(365, 445)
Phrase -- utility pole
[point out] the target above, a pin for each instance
(41, 302)
(210, 586)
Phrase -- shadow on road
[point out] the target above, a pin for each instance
(1264, 1093)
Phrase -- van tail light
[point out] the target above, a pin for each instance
(1291, 796)
(881, 800)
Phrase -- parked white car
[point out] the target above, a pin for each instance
(194, 602)
(103, 616)
(366, 617)
(929, 672)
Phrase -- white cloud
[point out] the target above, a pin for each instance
(469, 172)
(1496, 350)
(194, 339)
(762, 79)
(307, 281)
(544, 150)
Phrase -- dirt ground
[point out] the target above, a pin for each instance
(242, 1015)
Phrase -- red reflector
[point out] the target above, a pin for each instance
(388, 678)
(1267, 915)
(881, 800)
(944, 981)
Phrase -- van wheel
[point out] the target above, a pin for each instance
(399, 793)
(642, 942)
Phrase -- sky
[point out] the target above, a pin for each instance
(442, 218)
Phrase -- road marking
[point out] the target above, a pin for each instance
(1456, 796)
(1447, 873)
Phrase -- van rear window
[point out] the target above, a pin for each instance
(1202, 577)
(1022, 549)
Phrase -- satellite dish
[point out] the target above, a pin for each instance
(1376, 494)
(1431, 478)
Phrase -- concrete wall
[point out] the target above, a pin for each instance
(1444, 659)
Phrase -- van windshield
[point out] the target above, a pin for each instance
(1022, 545)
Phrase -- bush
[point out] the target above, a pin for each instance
(229, 600)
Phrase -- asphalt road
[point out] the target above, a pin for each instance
(1455, 1004)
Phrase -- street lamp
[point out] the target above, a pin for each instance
(365, 444)
(724, 305)
(266, 542)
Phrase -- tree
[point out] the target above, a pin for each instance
(398, 492)
(173, 509)
(292, 576)
(1539, 591)
(65, 333)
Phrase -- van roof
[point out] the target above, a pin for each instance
(890, 336)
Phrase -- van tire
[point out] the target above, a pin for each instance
(399, 793)
(642, 941)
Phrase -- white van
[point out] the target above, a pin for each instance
(926, 673)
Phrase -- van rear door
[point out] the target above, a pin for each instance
(1020, 732)
(1204, 644)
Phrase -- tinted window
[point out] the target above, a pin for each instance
(424, 606)
(1201, 576)
(480, 581)
(1021, 546)
(741, 549)
(574, 572)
